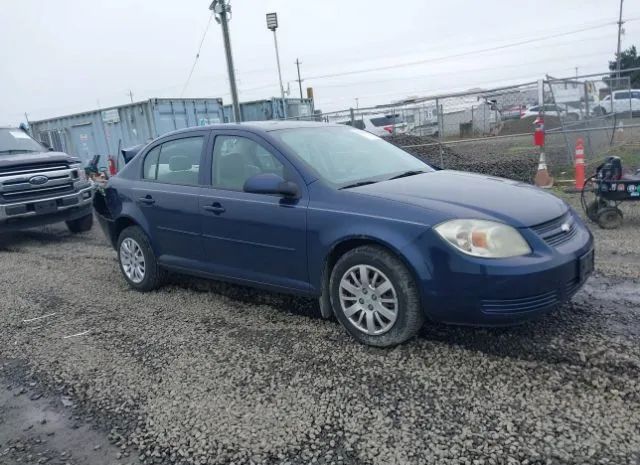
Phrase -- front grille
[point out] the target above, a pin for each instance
(557, 231)
(34, 194)
(32, 169)
(525, 304)
(16, 186)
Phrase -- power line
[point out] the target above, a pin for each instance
(457, 72)
(186, 84)
(458, 55)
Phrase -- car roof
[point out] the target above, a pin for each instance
(259, 126)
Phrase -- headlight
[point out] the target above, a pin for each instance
(484, 238)
(82, 174)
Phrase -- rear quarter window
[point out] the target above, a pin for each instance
(150, 165)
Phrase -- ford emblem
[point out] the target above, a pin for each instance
(38, 180)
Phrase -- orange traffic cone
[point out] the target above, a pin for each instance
(543, 179)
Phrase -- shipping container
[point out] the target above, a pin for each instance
(275, 108)
(104, 132)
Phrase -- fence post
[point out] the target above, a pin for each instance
(587, 117)
(353, 118)
(440, 116)
(630, 101)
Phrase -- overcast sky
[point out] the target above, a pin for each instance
(73, 55)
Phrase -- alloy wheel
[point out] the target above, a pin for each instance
(368, 299)
(132, 260)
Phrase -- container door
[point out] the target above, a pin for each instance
(84, 142)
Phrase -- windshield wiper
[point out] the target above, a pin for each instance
(406, 173)
(358, 184)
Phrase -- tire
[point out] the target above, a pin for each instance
(80, 225)
(610, 218)
(133, 242)
(594, 207)
(406, 314)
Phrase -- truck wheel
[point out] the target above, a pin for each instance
(375, 297)
(79, 225)
(137, 261)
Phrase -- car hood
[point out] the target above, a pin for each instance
(43, 157)
(457, 194)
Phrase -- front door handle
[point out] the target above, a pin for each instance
(147, 200)
(215, 208)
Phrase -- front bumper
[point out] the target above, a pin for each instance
(503, 292)
(67, 207)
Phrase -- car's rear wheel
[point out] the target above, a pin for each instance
(374, 297)
(137, 260)
(80, 225)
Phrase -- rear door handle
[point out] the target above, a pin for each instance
(215, 208)
(147, 200)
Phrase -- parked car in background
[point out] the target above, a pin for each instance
(381, 238)
(380, 125)
(39, 186)
(568, 112)
(623, 101)
(512, 112)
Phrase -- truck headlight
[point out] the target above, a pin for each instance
(482, 238)
(82, 174)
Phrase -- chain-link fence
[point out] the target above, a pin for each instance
(491, 130)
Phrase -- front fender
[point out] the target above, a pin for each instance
(328, 230)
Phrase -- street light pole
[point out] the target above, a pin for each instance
(272, 23)
(221, 8)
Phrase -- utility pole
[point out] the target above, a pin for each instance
(298, 63)
(272, 23)
(620, 23)
(221, 9)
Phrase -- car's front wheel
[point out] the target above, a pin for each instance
(137, 260)
(374, 297)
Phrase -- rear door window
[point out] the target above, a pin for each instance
(175, 162)
(622, 96)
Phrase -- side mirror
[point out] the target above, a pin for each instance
(269, 183)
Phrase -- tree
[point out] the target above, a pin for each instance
(628, 59)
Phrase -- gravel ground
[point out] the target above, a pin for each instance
(200, 372)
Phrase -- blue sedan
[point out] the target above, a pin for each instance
(383, 240)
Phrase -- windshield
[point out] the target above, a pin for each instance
(17, 141)
(344, 156)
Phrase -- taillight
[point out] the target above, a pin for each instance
(389, 129)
